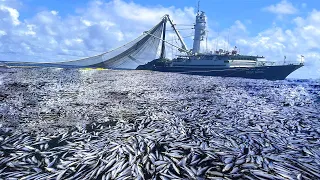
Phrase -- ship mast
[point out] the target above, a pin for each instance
(163, 46)
(200, 30)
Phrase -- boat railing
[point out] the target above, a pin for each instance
(271, 63)
(180, 59)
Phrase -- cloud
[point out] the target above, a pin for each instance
(282, 8)
(9, 15)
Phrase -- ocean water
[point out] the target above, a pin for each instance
(157, 125)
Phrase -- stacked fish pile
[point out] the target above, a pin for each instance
(144, 151)
(186, 128)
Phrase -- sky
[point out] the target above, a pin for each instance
(55, 30)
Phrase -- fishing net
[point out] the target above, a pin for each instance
(137, 52)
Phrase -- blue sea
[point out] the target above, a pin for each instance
(152, 125)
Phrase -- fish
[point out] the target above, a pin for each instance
(180, 131)
(228, 167)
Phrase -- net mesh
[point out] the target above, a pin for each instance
(135, 53)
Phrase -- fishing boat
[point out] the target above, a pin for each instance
(218, 63)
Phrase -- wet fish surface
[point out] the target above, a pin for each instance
(79, 124)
